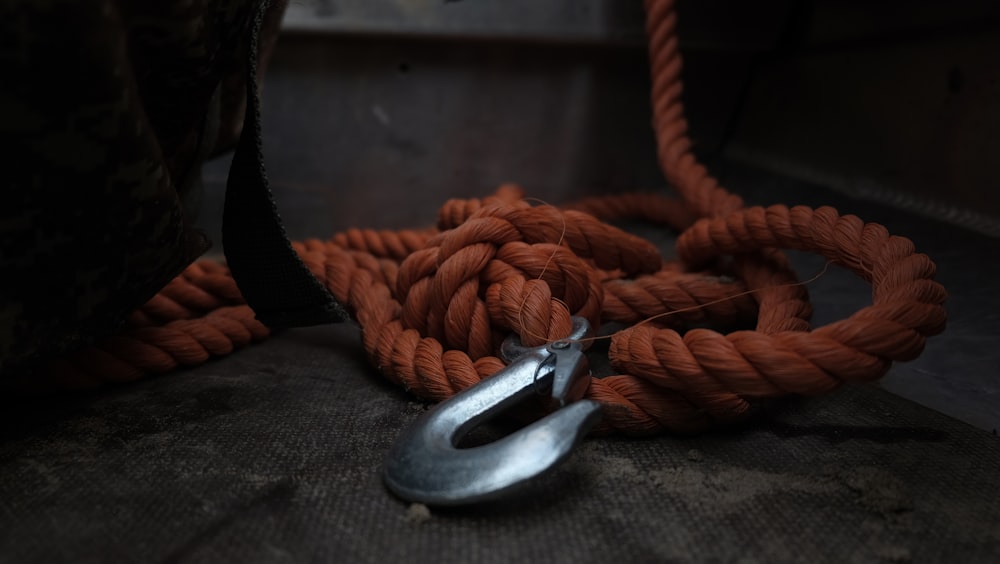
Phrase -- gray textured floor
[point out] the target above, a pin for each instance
(273, 455)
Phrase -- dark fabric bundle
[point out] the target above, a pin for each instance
(107, 110)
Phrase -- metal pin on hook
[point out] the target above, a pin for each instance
(426, 466)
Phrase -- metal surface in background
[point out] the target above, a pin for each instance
(733, 25)
(586, 20)
(353, 125)
(910, 122)
(837, 23)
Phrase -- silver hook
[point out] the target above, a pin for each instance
(426, 466)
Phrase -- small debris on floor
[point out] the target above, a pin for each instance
(417, 513)
(878, 490)
(695, 455)
(894, 554)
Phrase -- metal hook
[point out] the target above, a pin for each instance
(425, 466)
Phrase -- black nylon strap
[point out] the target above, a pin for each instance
(273, 279)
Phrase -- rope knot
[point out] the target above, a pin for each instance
(511, 267)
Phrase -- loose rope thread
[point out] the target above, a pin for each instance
(434, 305)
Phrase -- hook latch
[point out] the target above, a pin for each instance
(426, 466)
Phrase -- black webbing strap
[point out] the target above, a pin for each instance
(273, 279)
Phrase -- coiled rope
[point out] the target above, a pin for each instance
(434, 305)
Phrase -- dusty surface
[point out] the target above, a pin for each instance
(274, 454)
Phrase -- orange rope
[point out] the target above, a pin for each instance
(434, 305)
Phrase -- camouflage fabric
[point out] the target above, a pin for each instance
(107, 109)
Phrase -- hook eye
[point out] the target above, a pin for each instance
(511, 349)
(426, 466)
